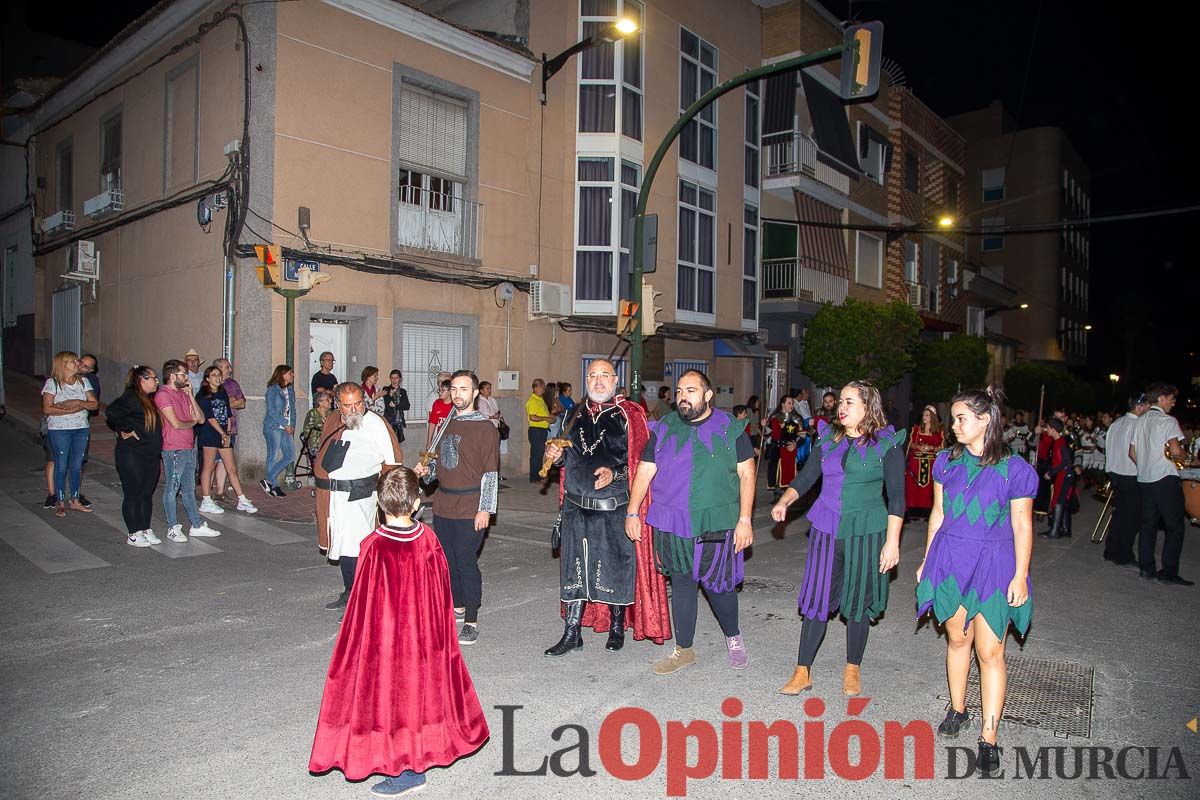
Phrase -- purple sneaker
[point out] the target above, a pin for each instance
(738, 657)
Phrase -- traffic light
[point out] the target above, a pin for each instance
(650, 309)
(861, 60)
(625, 317)
(311, 277)
(270, 264)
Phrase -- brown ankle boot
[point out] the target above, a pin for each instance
(852, 680)
(800, 682)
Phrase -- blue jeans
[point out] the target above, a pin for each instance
(180, 469)
(69, 447)
(279, 442)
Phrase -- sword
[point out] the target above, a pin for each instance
(430, 454)
(563, 440)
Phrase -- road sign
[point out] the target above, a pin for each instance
(292, 267)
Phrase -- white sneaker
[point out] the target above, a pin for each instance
(208, 506)
(150, 537)
(245, 505)
(203, 530)
(137, 540)
(175, 534)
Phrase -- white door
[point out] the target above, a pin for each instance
(331, 336)
(428, 350)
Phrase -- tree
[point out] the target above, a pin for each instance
(946, 365)
(1023, 383)
(860, 340)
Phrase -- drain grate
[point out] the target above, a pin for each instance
(759, 584)
(1052, 695)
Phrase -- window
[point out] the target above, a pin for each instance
(605, 68)
(992, 240)
(951, 195)
(868, 261)
(750, 266)
(752, 135)
(631, 181)
(697, 75)
(871, 152)
(992, 181)
(912, 172)
(110, 153)
(911, 253)
(975, 321)
(64, 168)
(952, 277)
(10, 286)
(631, 74)
(182, 128)
(697, 246)
(433, 132)
(594, 231)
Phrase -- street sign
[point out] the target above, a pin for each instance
(292, 267)
(650, 243)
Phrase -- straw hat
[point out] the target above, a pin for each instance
(192, 352)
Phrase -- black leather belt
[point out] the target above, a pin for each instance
(358, 488)
(599, 503)
(467, 490)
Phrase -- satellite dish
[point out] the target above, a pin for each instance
(203, 212)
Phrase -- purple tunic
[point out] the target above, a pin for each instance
(973, 558)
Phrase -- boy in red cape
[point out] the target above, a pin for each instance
(398, 699)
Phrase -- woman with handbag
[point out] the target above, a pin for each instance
(491, 409)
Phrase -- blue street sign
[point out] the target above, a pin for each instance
(292, 267)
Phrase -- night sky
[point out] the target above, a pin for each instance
(1108, 74)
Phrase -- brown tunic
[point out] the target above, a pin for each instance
(468, 449)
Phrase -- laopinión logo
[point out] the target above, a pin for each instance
(738, 749)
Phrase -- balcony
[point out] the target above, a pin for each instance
(797, 154)
(436, 224)
(789, 279)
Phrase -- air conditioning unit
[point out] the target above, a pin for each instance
(109, 201)
(83, 263)
(918, 296)
(58, 222)
(548, 299)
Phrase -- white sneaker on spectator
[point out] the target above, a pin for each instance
(175, 534)
(244, 504)
(209, 506)
(150, 537)
(137, 540)
(203, 530)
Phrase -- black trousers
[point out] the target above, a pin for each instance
(1162, 506)
(138, 468)
(685, 594)
(1127, 516)
(773, 466)
(537, 451)
(461, 543)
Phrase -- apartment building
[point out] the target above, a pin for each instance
(1030, 176)
(403, 147)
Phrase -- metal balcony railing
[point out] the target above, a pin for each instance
(786, 278)
(435, 223)
(797, 153)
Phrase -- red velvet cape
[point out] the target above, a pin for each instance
(649, 617)
(398, 695)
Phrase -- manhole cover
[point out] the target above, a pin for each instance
(1052, 695)
(756, 584)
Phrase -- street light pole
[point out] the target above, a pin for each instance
(635, 280)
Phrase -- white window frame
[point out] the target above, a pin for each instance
(858, 273)
(912, 267)
(617, 82)
(597, 306)
(750, 232)
(952, 277)
(117, 182)
(976, 320)
(65, 148)
(683, 314)
(876, 155)
(988, 183)
(996, 240)
(753, 138)
(699, 119)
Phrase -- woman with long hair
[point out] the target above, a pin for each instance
(855, 537)
(924, 442)
(370, 384)
(134, 418)
(784, 428)
(975, 576)
(279, 426)
(213, 437)
(67, 397)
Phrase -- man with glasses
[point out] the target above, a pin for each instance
(356, 446)
(599, 582)
(324, 377)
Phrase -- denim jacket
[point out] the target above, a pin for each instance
(276, 402)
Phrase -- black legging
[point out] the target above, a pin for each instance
(348, 565)
(684, 602)
(461, 543)
(812, 631)
(138, 469)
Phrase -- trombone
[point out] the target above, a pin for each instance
(1100, 531)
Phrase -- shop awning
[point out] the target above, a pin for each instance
(739, 348)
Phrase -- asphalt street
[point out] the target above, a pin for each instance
(196, 671)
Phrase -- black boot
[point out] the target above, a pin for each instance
(616, 632)
(1055, 523)
(571, 640)
(1066, 529)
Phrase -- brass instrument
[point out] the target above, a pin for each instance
(1099, 532)
(1180, 463)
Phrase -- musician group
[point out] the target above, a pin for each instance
(645, 501)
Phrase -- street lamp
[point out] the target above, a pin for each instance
(607, 35)
(943, 220)
(1114, 377)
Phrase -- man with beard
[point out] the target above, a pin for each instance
(467, 469)
(699, 462)
(607, 581)
(356, 446)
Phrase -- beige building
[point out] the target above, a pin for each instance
(463, 223)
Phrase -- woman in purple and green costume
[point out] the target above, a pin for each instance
(975, 576)
(855, 537)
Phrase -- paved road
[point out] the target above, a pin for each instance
(196, 671)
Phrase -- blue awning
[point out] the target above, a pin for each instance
(738, 348)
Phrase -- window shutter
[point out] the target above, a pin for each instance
(433, 132)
